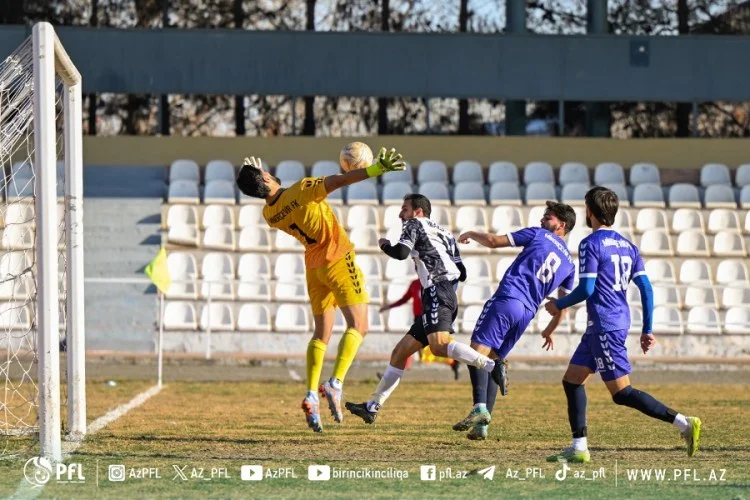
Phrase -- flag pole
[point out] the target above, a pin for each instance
(160, 347)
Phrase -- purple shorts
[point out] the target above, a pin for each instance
(501, 324)
(604, 353)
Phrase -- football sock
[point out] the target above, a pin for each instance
(479, 379)
(386, 386)
(348, 346)
(580, 444)
(645, 403)
(681, 422)
(466, 354)
(576, 395)
(492, 388)
(316, 352)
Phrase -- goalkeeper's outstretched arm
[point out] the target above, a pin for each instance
(387, 161)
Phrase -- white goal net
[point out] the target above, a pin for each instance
(41, 263)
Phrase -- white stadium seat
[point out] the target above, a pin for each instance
(219, 215)
(285, 242)
(183, 234)
(323, 168)
(656, 242)
(184, 170)
(391, 219)
(432, 171)
(364, 239)
(254, 239)
(471, 218)
(374, 291)
(467, 171)
(661, 271)
(292, 318)
(371, 267)
(729, 244)
(644, 173)
(220, 192)
(538, 171)
(442, 216)
(23, 213)
(253, 273)
(609, 173)
(623, 220)
(715, 173)
(648, 195)
(183, 271)
(502, 266)
(180, 316)
(700, 296)
(475, 293)
(684, 219)
(580, 320)
(737, 321)
(731, 271)
(437, 192)
(362, 216)
(684, 195)
(651, 218)
(399, 269)
(664, 295)
(539, 192)
(220, 170)
(469, 193)
(721, 219)
(400, 319)
(504, 171)
(182, 191)
(290, 170)
(505, 193)
(703, 320)
(394, 192)
(469, 318)
(575, 237)
(477, 269)
(217, 270)
(254, 318)
(377, 324)
(574, 173)
(720, 196)
(405, 176)
(176, 214)
(219, 238)
(667, 320)
(362, 193)
(251, 216)
(735, 295)
(695, 271)
(289, 266)
(291, 291)
(692, 243)
(506, 219)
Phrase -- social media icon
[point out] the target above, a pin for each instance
(319, 472)
(251, 472)
(427, 472)
(117, 472)
(488, 472)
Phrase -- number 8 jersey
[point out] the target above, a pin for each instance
(613, 261)
(543, 266)
(301, 211)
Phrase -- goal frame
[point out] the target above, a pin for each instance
(51, 60)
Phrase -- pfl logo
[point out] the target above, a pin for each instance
(38, 472)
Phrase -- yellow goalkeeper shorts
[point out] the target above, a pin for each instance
(339, 283)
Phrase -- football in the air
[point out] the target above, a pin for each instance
(355, 155)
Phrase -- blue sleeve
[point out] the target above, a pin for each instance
(647, 301)
(582, 292)
(522, 237)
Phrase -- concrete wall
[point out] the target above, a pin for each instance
(667, 153)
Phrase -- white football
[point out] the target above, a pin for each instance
(355, 155)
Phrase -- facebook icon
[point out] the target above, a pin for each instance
(427, 472)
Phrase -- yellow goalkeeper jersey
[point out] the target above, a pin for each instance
(301, 210)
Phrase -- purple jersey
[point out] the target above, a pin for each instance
(613, 261)
(542, 267)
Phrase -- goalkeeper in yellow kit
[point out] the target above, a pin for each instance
(333, 277)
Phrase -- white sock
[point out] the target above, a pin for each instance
(466, 354)
(681, 422)
(312, 395)
(580, 444)
(336, 383)
(386, 386)
(480, 406)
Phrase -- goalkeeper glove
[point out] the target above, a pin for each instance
(388, 161)
(253, 162)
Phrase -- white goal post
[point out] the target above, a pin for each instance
(41, 117)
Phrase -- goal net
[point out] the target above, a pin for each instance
(41, 260)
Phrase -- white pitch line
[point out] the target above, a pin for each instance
(26, 491)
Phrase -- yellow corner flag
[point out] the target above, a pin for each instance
(158, 271)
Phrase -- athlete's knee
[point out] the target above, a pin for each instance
(399, 359)
(439, 348)
(622, 397)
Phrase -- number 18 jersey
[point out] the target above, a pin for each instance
(541, 268)
(301, 210)
(613, 261)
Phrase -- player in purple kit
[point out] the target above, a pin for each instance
(543, 266)
(608, 262)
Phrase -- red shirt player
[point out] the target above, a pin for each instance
(414, 293)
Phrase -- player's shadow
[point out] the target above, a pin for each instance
(186, 439)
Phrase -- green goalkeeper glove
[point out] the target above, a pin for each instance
(388, 161)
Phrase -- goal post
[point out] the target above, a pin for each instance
(41, 270)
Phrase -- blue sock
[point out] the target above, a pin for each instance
(644, 403)
(479, 380)
(576, 394)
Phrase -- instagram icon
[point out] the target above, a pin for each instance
(117, 472)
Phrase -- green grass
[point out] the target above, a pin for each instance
(213, 425)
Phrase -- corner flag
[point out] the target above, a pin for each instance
(158, 271)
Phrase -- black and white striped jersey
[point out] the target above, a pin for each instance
(433, 249)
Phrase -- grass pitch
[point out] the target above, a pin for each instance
(209, 430)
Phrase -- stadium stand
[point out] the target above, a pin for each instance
(694, 239)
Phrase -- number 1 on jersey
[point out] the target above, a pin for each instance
(309, 240)
(623, 265)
